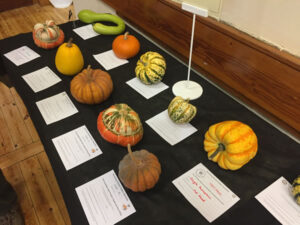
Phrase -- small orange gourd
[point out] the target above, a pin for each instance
(231, 144)
(139, 170)
(91, 86)
(126, 46)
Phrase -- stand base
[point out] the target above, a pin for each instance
(187, 89)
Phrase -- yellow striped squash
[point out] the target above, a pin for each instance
(231, 144)
(150, 68)
(296, 189)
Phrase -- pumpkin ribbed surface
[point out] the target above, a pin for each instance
(91, 86)
(47, 35)
(296, 189)
(119, 124)
(151, 68)
(180, 111)
(139, 170)
(231, 144)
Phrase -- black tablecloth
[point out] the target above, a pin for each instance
(278, 155)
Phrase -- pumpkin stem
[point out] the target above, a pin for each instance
(131, 155)
(125, 35)
(220, 148)
(89, 72)
(69, 44)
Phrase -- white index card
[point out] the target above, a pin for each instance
(86, 32)
(41, 79)
(109, 60)
(279, 201)
(173, 133)
(21, 55)
(56, 107)
(205, 192)
(148, 91)
(104, 200)
(76, 147)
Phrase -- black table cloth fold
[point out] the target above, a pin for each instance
(278, 155)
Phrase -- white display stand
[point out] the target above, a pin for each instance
(61, 3)
(190, 89)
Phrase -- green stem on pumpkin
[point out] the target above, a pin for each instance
(69, 44)
(220, 148)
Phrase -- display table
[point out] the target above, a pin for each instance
(278, 155)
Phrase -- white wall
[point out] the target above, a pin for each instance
(274, 21)
(94, 5)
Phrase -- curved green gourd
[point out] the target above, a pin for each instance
(88, 16)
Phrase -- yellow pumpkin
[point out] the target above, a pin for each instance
(231, 144)
(69, 60)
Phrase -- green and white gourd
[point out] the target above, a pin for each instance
(151, 68)
(296, 189)
(181, 111)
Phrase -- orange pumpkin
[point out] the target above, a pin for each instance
(231, 144)
(91, 86)
(126, 46)
(119, 124)
(139, 170)
(47, 35)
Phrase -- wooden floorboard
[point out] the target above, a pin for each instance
(22, 157)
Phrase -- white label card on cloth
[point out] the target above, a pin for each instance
(86, 32)
(104, 200)
(279, 201)
(56, 107)
(41, 79)
(148, 91)
(173, 133)
(21, 55)
(205, 192)
(76, 147)
(109, 60)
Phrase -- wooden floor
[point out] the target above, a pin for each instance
(22, 156)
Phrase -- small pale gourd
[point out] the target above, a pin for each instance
(181, 111)
(139, 170)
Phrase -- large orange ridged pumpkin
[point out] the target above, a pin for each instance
(231, 144)
(120, 124)
(91, 86)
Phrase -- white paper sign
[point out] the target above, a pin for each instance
(109, 60)
(278, 200)
(104, 200)
(86, 32)
(205, 192)
(56, 108)
(173, 133)
(148, 91)
(41, 79)
(76, 147)
(21, 55)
